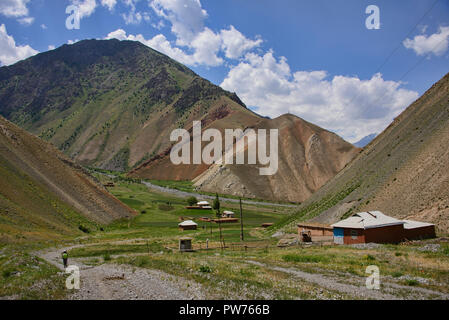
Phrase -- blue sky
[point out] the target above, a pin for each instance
(315, 59)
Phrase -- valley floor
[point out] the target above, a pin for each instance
(139, 259)
(102, 280)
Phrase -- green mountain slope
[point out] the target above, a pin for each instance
(43, 194)
(106, 103)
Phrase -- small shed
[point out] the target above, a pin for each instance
(309, 232)
(225, 220)
(203, 205)
(187, 225)
(185, 244)
(228, 214)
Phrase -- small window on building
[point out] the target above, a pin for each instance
(354, 234)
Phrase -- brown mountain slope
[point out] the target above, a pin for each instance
(404, 172)
(308, 157)
(43, 194)
(222, 116)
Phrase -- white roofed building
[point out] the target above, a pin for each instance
(374, 226)
(188, 225)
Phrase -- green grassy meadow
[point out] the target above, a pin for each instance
(159, 215)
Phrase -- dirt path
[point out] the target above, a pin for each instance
(355, 286)
(121, 282)
(184, 194)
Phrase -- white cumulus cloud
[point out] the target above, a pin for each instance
(86, 7)
(349, 106)
(158, 42)
(14, 8)
(110, 4)
(204, 47)
(186, 17)
(235, 44)
(9, 51)
(436, 43)
(27, 21)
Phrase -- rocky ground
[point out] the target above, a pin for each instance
(120, 282)
(110, 281)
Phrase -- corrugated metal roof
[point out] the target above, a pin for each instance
(187, 223)
(314, 225)
(200, 203)
(367, 220)
(410, 224)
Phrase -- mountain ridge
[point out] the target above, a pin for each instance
(112, 104)
(43, 194)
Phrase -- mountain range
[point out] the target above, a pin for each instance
(113, 104)
(365, 140)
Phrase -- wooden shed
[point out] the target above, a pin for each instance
(187, 225)
(309, 232)
(228, 214)
(185, 244)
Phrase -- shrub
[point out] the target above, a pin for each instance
(83, 228)
(411, 282)
(370, 257)
(205, 269)
(107, 257)
(191, 201)
(143, 211)
(7, 273)
(397, 274)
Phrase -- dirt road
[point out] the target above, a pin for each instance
(354, 286)
(121, 282)
(111, 281)
(184, 194)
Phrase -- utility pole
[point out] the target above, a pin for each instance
(221, 237)
(241, 220)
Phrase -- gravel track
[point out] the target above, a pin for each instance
(121, 282)
(185, 194)
(355, 286)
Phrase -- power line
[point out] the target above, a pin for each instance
(397, 48)
(414, 66)
(408, 34)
